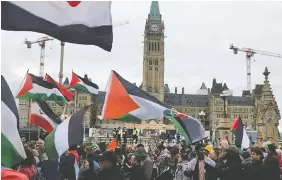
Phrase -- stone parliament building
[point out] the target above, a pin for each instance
(258, 109)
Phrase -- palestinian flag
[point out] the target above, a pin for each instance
(79, 22)
(12, 150)
(34, 87)
(189, 127)
(68, 134)
(83, 84)
(67, 93)
(127, 102)
(241, 137)
(43, 116)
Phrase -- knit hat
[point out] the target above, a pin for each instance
(231, 149)
(209, 148)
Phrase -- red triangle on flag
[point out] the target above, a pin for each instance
(118, 102)
(26, 86)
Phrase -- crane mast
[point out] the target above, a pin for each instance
(42, 43)
(249, 54)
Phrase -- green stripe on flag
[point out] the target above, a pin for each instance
(50, 146)
(81, 88)
(58, 99)
(180, 129)
(9, 154)
(129, 118)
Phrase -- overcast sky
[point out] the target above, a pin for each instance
(196, 47)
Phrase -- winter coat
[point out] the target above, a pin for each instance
(232, 169)
(271, 167)
(111, 174)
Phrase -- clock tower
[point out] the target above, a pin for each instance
(153, 61)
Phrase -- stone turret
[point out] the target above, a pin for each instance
(267, 112)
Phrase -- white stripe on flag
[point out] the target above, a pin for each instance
(245, 140)
(61, 137)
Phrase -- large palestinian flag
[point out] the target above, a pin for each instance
(127, 102)
(12, 150)
(34, 87)
(242, 139)
(43, 116)
(68, 134)
(80, 22)
(83, 84)
(67, 93)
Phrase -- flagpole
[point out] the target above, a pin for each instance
(29, 115)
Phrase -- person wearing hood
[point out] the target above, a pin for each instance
(246, 164)
(271, 163)
(145, 161)
(231, 167)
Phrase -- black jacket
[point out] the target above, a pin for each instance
(253, 171)
(271, 167)
(232, 169)
(111, 174)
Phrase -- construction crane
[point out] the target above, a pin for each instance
(250, 53)
(42, 43)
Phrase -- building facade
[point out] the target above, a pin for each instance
(258, 109)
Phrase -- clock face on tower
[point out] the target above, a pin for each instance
(154, 27)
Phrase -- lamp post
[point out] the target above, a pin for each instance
(202, 116)
(224, 96)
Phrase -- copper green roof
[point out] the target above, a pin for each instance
(155, 11)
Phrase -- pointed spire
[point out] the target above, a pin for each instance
(154, 11)
(266, 73)
(203, 86)
(86, 76)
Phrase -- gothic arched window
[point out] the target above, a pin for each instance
(150, 62)
(155, 46)
(156, 62)
(149, 46)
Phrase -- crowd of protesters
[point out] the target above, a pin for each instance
(136, 162)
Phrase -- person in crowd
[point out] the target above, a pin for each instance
(256, 170)
(28, 166)
(200, 167)
(208, 149)
(114, 133)
(118, 135)
(164, 163)
(124, 135)
(135, 135)
(136, 171)
(88, 170)
(108, 165)
(145, 161)
(229, 165)
(271, 163)
(67, 168)
(183, 166)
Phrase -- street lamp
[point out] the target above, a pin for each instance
(224, 96)
(202, 115)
